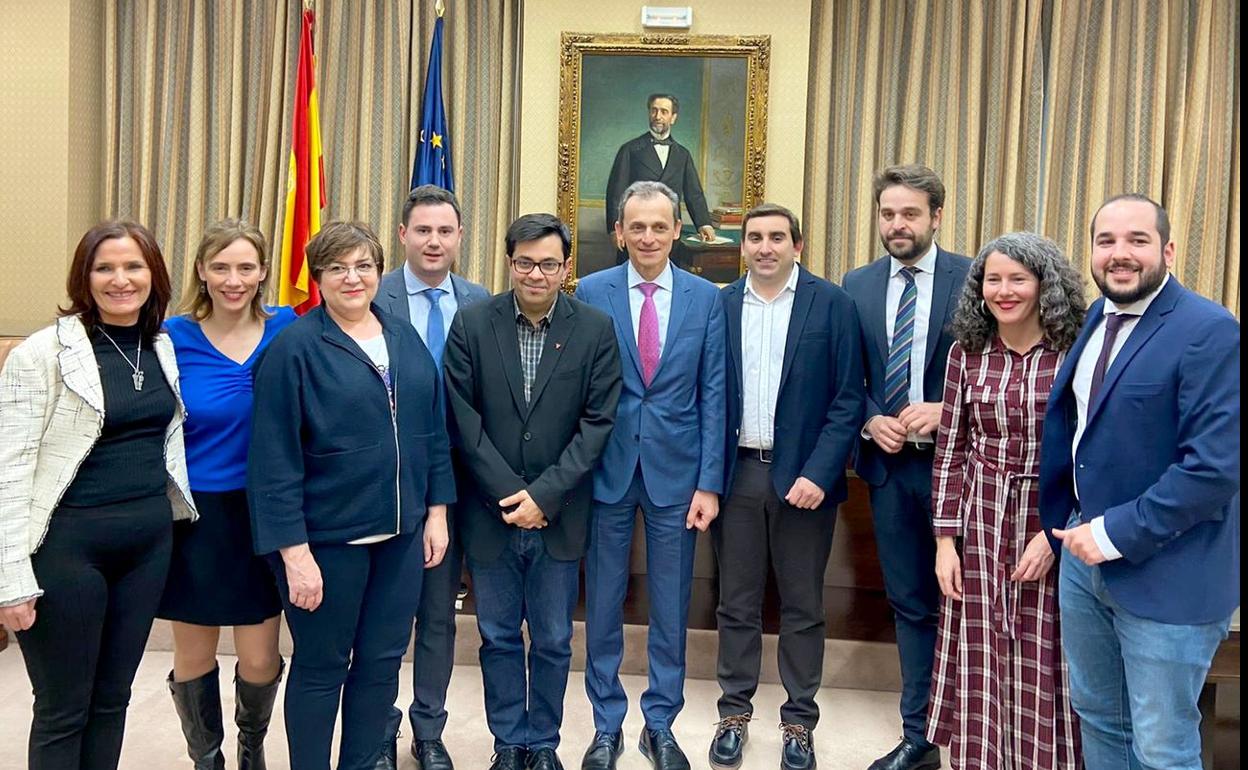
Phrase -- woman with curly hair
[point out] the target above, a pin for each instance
(1000, 697)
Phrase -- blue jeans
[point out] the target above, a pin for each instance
(1133, 681)
(525, 585)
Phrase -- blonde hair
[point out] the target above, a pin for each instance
(195, 299)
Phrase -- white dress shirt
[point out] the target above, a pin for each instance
(924, 279)
(418, 306)
(662, 301)
(1082, 385)
(662, 150)
(764, 333)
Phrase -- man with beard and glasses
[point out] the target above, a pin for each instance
(905, 301)
(1139, 482)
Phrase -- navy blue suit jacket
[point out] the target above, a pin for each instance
(820, 403)
(674, 428)
(1159, 459)
(868, 286)
(392, 293)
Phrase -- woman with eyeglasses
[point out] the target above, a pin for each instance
(349, 476)
(92, 475)
(214, 580)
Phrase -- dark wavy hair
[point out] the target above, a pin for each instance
(78, 283)
(1062, 304)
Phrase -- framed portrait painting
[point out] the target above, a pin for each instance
(687, 110)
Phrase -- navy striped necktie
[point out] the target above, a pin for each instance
(897, 372)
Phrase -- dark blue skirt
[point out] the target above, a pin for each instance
(214, 579)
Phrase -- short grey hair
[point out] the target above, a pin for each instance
(646, 190)
(1062, 304)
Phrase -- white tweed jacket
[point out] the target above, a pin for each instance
(51, 414)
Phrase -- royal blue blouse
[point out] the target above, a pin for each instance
(217, 392)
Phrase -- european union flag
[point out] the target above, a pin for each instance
(433, 152)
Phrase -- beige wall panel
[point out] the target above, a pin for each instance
(85, 115)
(34, 57)
(787, 21)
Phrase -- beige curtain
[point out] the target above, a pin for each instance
(199, 96)
(480, 46)
(1145, 98)
(955, 86)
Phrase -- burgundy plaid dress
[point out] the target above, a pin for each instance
(1000, 694)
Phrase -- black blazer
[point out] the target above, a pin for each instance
(328, 461)
(549, 446)
(868, 286)
(638, 161)
(820, 404)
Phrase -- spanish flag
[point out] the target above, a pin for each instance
(305, 188)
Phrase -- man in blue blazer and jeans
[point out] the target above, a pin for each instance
(904, 301)
(795, 399)
(665, 455)
(1139, 483)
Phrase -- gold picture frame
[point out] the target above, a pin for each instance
(606, 82)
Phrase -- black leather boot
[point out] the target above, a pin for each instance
(198, 703)
(253, 705)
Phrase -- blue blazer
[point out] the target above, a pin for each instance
(329, 462)
(819, 407)
(1159, 459)
(674, 428)
(868, 286)
(392, 293)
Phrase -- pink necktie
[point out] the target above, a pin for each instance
(648, 333)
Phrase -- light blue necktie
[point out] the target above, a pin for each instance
(897, 373)
(435, 331)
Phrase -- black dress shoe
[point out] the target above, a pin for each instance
(798, 752)
(544, 759)
(909, 755)
(731, 735)
(388, 758)
(659, 746)
(510, 758)
(603, 752)
(431, 755)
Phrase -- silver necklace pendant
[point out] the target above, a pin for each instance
(137, 377)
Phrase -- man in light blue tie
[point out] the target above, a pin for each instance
(665, 456)
(426, 293)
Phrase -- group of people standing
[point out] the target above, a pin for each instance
(1054, 489)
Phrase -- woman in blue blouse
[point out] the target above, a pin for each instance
(214, 580)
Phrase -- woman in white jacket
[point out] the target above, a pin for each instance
(92, 474)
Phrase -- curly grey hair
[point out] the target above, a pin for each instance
(1062, 304)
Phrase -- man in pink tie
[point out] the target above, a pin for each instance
(665, 456)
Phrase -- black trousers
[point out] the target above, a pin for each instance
(349, 648)
(434, 651)
(102, 571)
(754, 527)
(901, 511)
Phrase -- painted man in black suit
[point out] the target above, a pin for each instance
(656, 157)
(905, 300)
(533, 380)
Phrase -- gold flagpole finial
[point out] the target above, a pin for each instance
(307, 5)
(440, 8)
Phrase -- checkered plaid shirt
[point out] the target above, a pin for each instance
(532, 339)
